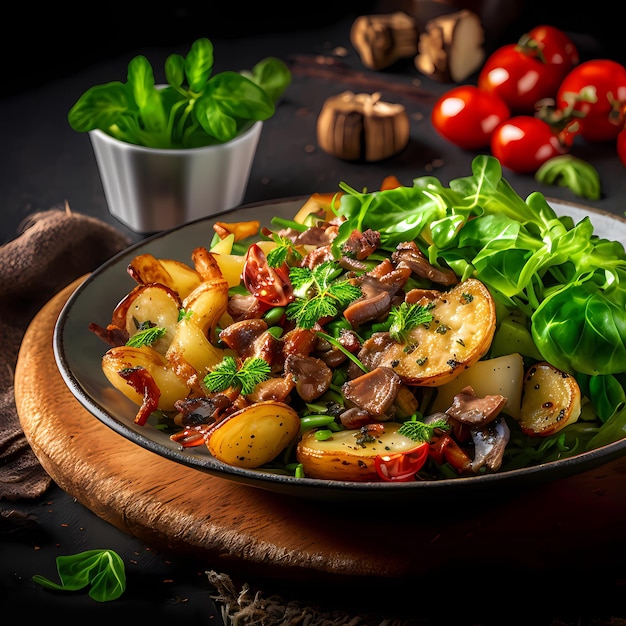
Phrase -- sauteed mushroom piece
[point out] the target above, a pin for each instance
(311, 374)
(375, 392)
(470, 409)
(412, 256)
(489, 445)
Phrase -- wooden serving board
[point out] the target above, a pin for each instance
(576, 521)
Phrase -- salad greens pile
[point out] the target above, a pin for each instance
(196, 108)
(568, 284)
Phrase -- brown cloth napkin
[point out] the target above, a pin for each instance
(52, 249)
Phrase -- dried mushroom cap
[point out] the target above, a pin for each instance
(452, 47)
(362, 127)
(381, 40)
(365, 103)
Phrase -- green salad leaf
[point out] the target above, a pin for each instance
(569, 283)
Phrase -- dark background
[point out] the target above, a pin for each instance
(51, 54)
(54, 40)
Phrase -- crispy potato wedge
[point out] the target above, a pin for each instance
(319, 205)
(190, 345)
(344, 457)
(551, 400)
(255, 435)
(178, 276)
(206, 304)
(240, 230)
(231, 266)
(464, 322)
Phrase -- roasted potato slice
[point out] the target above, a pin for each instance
(170, 385)
(255, 435)
(347, 455)
(551, 400)
(155, 305)
(464, 322)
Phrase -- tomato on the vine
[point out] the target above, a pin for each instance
(402, 466)
(553, 46)
(519, 78)
(523, 143)
(270, 285)
(467, 116)
(595, 92)
(621, 145)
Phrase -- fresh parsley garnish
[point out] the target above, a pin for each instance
(406, 317)
(318, 294)
(184, 314)
(226, 374)
(419, 431)
(146, 337)
(284, 252)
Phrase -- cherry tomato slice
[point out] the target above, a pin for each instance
(402, 466)
(270, 285)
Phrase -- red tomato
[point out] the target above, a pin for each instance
(402, 466)
(596, 92)
(444, 449)
(466, 116)
(521, 79)
(552, 46)
(270, 285)
(621, 146)
(523, 143)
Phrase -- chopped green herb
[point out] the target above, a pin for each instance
(284, 252)
(184, 315)
(226, 374)
(146, 337)
(419, 431)
(405, 318)
(317, 296)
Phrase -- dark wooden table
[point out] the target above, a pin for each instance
(45, 164)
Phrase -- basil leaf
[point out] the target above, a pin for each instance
(100, 107)
(199, 64)
(180, 116)
(272, 75)
(102, 569)
(175, 70)
(146, 95)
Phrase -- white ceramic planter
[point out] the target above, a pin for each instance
(151, 190)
